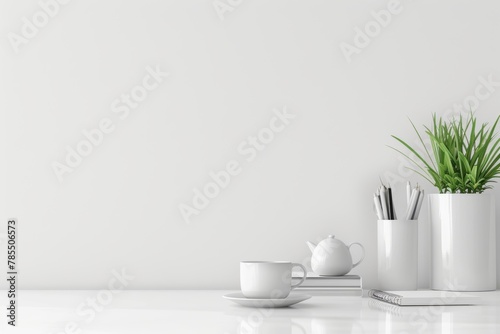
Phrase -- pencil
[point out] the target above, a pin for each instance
(391, 204)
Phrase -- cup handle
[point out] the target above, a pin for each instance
(362, 256)
(303, 278)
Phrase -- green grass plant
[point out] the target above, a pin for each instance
(463, 156)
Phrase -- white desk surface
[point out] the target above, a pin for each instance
(177, 312)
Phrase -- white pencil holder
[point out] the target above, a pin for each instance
(397, 254)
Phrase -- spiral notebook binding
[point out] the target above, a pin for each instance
(385, 296)
(394, 310)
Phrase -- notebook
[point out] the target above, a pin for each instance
(424, 297)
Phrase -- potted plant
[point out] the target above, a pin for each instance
(462, 163)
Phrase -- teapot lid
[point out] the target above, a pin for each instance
(333, 241)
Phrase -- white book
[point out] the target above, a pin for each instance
(424, 297)
(353, 292)
(314, 280)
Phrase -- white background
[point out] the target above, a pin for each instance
(119, 207)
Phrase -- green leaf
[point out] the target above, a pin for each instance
(465, 157)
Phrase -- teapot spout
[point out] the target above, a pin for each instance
(311, 245)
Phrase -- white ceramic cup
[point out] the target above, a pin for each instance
(268, 279)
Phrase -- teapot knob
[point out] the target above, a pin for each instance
(331, 236)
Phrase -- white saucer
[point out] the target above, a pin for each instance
(293, 298)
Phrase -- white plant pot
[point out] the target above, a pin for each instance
(463, 247)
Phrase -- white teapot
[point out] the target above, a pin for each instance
(331, 257)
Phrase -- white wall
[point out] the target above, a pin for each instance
(119, 207)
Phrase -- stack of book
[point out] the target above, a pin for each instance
(347, 285)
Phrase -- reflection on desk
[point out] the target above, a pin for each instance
(206, 312)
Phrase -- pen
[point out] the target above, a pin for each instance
(383, 201)
(408, 192)
(391, 204)
(412, 205)
(419, 204)
(378, 208)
